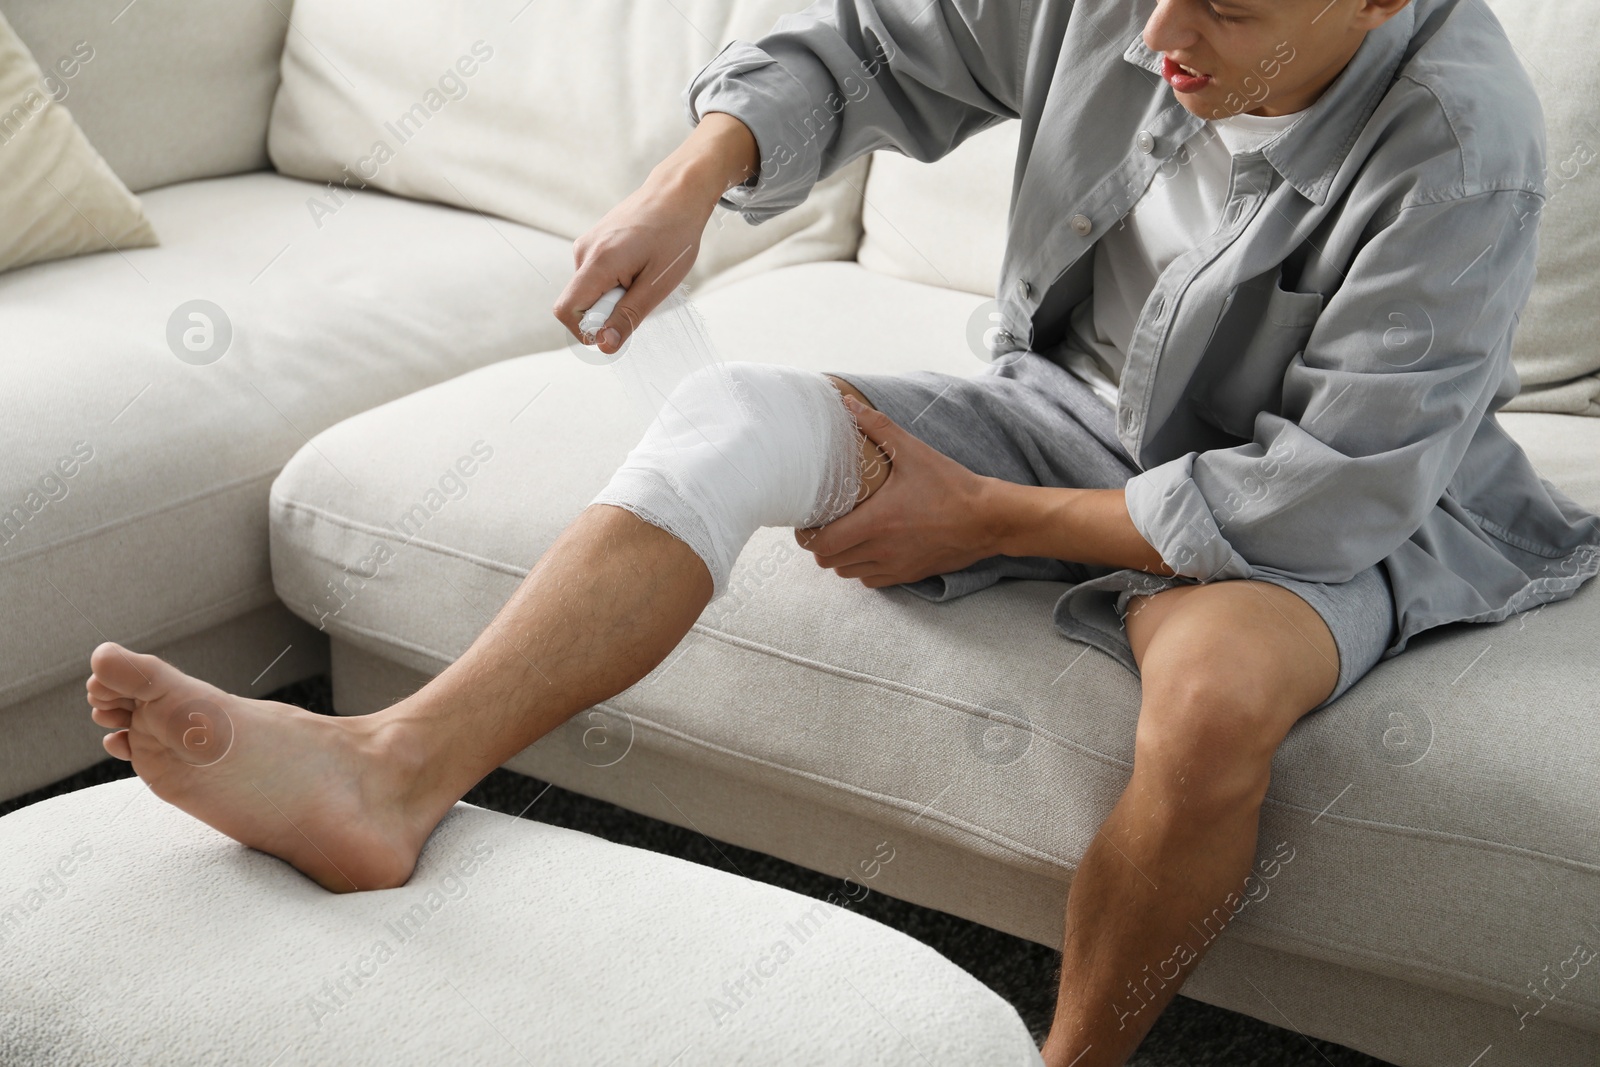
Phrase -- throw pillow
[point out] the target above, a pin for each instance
(57, 196)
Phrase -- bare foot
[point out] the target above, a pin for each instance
(337, 798)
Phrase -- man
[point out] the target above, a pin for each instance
(1264, 267)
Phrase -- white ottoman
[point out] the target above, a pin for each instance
(131, 933)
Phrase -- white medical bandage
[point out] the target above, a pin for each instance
(733, 446)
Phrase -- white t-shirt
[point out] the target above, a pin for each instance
(1179, 210)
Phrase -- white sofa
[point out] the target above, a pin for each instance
(160, 539)
(1440, 815)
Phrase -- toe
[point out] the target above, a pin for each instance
(127, 674)
(113, 718)
(117, 745)
(103, 696)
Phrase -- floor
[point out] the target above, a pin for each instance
(1188, 1034)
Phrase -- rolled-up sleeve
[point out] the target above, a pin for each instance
(845, 77)
(1377, 411)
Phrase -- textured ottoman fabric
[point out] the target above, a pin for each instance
(135, 934)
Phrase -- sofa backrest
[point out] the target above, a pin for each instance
(944, 223)
(548, 114)
(1557, 354)
(165, 90)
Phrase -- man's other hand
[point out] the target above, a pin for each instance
(931, 516)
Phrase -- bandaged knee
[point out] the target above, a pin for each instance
(738, 446)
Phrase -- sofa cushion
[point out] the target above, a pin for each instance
(173, 90)
(578, 423)
(148, 399)
(942, 223)
(57, 196)
(1556, 355)
(1457, 777)
(514, 942)
(549, 114)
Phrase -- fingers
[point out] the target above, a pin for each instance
(649, 280)
(631, 311)
(834, 547)
(618, 326)
(586, 289)
(867, 569)
(595, 318)
(582, 292)
(868, 552)
(653, 284)
(880, 429)
(856, 528)
(858, 561)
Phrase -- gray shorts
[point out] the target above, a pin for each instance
(1033, 422)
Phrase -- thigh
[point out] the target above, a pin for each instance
(1264, 645)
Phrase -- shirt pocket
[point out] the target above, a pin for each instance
(1262, 327)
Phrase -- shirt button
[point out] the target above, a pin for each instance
(1025, 289)
(1145, 141)
(1003, 339)
(1081, 225)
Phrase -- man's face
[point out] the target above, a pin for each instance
(1264, 57)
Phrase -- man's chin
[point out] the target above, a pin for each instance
(1200, 103)
(1208, 103)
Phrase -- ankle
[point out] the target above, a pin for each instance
(398, 748)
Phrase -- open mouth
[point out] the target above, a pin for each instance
(1183, 78)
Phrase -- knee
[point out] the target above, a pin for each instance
(735, 447)
(1209, 727)
(795, 441)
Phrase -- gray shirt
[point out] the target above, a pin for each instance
(1311, 390)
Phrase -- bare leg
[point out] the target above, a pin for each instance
(1227, 668)
(351, 801)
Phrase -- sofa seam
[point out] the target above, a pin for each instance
(124, 521)
(888, 800)
(1404, 962)
(1370, 825)
(356, 526)
(904, 689)
(1481, 844)
(1397, 829)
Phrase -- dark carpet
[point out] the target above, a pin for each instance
(1188, 1033)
